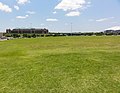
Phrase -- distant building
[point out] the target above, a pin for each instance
(115, 32)
(27, 31)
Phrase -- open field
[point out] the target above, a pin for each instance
(60, 65)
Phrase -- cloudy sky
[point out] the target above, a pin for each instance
(57, 15)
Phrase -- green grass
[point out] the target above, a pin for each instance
(60, 65)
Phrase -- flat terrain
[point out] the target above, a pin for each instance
(60, 65)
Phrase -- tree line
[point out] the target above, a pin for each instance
(15, 35)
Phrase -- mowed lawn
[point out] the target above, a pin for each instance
(60, 65)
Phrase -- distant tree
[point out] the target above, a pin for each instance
(38, 35)
(33, 35)
(16, 35)
(29, 36)
(42, 35)
(24, 35)
(8, 35)
(99, 33)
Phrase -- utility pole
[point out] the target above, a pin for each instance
(31, 28)
(71, 28)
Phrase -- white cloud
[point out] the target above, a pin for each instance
(104, 19)
(22, 1)
(113, 28)
(70, 4)
(73, 13)
(5, 8)
(51, 19)
(73, 5)
(16, 7)
(22, 17)
(89, 2)
(31, 12)
(54, 12)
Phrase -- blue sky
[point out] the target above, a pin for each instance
(57, 15)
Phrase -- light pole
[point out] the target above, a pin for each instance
(31, 28)
(71, 28)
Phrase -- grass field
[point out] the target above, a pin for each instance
(60, 65)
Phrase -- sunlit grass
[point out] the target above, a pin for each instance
(60, 65)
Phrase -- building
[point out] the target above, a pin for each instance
(114, 32)
(27, 31)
